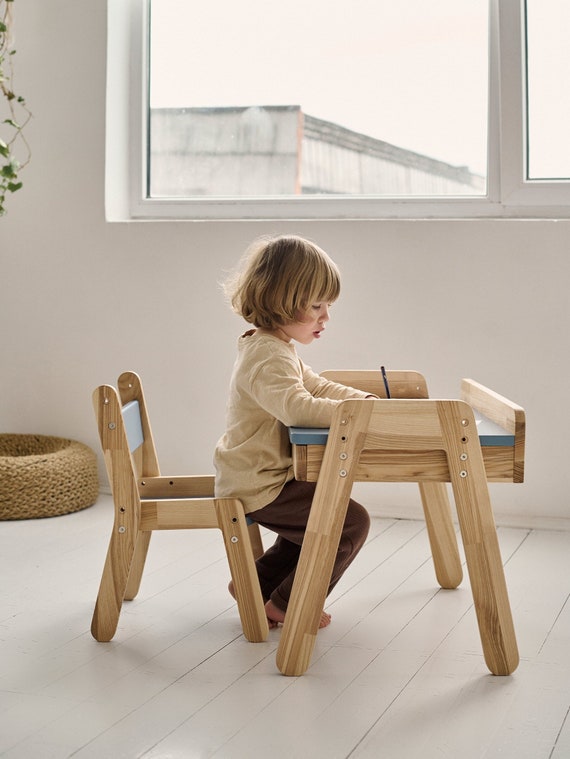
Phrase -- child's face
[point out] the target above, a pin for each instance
(310, 326)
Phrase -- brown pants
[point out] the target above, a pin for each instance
(287, 515)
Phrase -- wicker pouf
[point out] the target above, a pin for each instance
(42, 476)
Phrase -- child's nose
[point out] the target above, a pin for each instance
(325, 314)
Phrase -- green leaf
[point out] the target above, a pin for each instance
(3, 27)
(14, 186)
(4, 149)
(8, 171)
(12, 123)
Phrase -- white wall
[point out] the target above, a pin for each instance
(82, 299)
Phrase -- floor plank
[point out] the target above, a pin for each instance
(398, 674)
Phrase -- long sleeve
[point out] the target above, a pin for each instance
(271, 389)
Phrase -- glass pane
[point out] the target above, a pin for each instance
(373, 97)
(548, 89)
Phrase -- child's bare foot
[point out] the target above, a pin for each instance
(274, 614)
(278, 617)
(325, 620)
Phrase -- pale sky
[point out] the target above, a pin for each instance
(410, 72)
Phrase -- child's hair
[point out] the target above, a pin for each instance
(280, 278)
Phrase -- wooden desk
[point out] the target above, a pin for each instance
(502, 460)
(431, 442)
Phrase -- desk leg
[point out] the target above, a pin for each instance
(312, 577)
(307, 601)
(322, 537)
(488, 585)
(482, 552)
(441, 534)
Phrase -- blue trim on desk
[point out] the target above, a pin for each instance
(489, 434)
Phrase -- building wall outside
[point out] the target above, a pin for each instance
(281, 151)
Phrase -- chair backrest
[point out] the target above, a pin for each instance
(403, 383)
(119, 461)
(135, 413)
(126, 436)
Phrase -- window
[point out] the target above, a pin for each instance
(548, 89)
(301, 110)
(257, 98)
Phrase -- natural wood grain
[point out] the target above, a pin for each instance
(145, 501)
(404, 426)
(504, 413)
(502, 463)
(403, 383)
(410, 466)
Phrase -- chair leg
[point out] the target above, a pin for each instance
(137, 566)
(437, 511)
(255, 540)
(233, 525)
(112, 589)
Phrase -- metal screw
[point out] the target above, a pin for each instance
(463, 473)
(112, 425)
(234, 539)
(463, 457)
(342, 473)
(122, 529)
(343, 456)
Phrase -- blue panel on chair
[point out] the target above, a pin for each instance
(133, 425)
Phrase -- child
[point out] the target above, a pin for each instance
(285, 289)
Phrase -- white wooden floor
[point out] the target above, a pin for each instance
(398, 675)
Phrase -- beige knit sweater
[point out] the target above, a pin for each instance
(271, 389)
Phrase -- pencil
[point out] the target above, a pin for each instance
(385, 378)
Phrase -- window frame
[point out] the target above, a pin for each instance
(509, 193)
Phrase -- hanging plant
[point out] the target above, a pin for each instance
(14, 113)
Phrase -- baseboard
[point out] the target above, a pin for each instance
(524, 522)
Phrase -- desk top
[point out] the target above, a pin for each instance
(489, 434)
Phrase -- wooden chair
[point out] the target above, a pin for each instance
(410, 440)
(146, 501)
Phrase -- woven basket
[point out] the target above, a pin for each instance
(43, 476)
